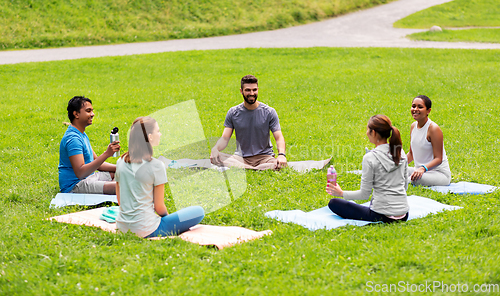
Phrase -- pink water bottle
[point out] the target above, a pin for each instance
(331, 175)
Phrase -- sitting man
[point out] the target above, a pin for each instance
(77, 161)
(252, 121)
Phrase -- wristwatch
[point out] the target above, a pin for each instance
(282, 154)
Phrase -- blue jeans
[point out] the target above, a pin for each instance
(354, 211)
(179, 222)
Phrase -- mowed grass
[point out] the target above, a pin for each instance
(457, 14)
(467, 35)
(58, 23)
(324, 98)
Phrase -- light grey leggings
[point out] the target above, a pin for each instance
(440, 175)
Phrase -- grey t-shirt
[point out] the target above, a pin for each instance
(252, 128)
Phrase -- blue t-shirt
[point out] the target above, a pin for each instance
(73, 143)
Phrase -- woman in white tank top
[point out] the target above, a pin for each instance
(426, 147)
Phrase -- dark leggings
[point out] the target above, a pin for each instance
(350, 210)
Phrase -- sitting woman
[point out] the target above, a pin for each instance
(140, 184)
(426, 147)
(384, 171)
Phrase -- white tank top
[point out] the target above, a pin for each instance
(420, 147)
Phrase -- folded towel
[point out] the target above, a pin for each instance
(109, 214)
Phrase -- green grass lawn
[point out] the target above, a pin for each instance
(324, 98)
(467, 35)
(457, 14)
(57, 23)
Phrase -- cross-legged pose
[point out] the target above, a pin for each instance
(384, 171)
(252, 120)
(80, 170)
(427, 148)
(140, 185)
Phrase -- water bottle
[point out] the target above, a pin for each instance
(114, 137)
(331, 175)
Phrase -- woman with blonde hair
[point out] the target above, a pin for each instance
(140, 185)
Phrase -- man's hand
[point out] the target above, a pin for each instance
(112, 148)
(281, 162)
(215, 157)
(220, 146)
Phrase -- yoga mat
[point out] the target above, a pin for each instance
(204, 235)
(299, 166)
(72, 199)
(356, 172)
(87, 218)
(308, 165)
(323, 218)
(220, 236)
(464, 188)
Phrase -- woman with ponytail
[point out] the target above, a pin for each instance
(140, 188)
(385, 171)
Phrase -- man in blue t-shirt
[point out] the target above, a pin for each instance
(252, 120)
(77, 161)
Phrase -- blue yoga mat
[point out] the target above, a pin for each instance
(323, 218)
(72, 199)
(464, 188)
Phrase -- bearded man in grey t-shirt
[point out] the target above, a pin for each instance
(252, 120)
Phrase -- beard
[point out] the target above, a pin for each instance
(247, 99)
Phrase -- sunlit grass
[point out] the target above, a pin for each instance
(457, 14)
(324, 98)
(467, 35)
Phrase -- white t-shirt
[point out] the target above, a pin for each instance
(137, 181)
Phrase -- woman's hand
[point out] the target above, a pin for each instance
(417, 174)
(334, 189)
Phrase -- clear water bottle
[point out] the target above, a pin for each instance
(114, 137)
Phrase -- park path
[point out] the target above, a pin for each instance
(366, 28)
